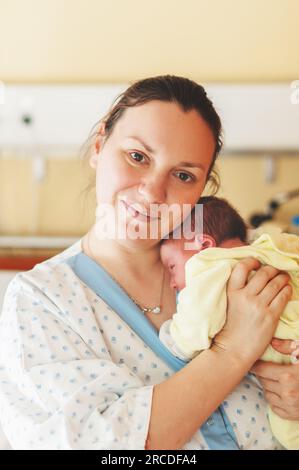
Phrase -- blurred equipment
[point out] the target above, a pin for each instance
(295, 225)
(258, 219)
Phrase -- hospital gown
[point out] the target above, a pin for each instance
(74, 375)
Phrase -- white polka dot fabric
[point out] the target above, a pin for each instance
(73, 375)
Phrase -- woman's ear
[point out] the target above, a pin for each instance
(204, 241)
(97, 146)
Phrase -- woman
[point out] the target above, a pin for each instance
(75, 375)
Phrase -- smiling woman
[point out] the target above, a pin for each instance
(82, 366)
(131, 158)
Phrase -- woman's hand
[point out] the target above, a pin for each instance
(280, 382)
(254, 308)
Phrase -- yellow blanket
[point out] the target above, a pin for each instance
(201, 309)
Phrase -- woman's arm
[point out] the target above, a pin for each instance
(181, 404)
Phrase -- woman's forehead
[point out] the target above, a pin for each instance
(164, 126)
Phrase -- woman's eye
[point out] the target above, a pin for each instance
(184, 177)
(137, 157)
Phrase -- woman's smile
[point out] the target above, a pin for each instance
(139, 211)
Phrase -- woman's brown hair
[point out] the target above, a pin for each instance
(188, 94)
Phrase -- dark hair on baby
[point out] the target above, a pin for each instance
(221, 221)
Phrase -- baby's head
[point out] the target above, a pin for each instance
(222, 227)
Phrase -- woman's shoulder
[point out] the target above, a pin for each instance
(60, 258)
(53, 274)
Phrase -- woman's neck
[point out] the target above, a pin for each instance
(139, 272)
(115, 255)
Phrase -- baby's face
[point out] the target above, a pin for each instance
(174, 256)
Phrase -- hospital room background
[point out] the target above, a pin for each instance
(62, 62)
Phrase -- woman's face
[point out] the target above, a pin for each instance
(156, 154)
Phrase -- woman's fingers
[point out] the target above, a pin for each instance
(273, 399)
(278, 406)
(274, 286)
(260, 279)
(271, 386)
(279, 302)
(268, 370)
(240, 273)
(255, 303)
(284, 346)
(281, 412)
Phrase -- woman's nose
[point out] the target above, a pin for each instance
(153, 190)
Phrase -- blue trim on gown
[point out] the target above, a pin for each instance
(217, 430)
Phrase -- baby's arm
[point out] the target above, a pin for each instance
(202, 305)
(167, 340)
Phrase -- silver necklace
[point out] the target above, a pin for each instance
(157, 309)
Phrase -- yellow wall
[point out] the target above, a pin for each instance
(57, 206)
(121, 40)
(96, 41)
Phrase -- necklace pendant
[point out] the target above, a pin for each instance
(152, 310)
(156, 310)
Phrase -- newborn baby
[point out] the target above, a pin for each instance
(200, 276)
(222, 227)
